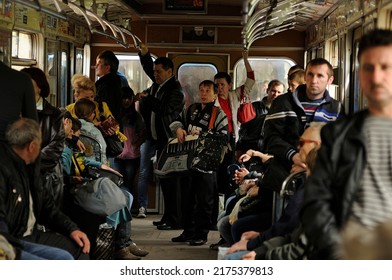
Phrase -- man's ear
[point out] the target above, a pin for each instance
(330, 80)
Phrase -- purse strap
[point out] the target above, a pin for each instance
(213, 117)
(75, 161)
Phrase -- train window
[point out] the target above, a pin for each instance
(190, 75)
(22, 50)
(131, 68)
(52, 69)
(332, 55)
(266, 69)
(79, 61)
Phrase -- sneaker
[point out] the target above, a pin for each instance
(124, 254)
(135, 250)
(142, 213)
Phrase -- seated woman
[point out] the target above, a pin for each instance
(199, 194)
(74, 164)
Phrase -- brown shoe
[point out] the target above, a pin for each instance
(124, 254)
(135, 250)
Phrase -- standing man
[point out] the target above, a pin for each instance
(17, 97)
(160, 105)
(291, 114)
(351, 182)
(250, 134)
(109, 83)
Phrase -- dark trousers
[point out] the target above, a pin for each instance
(169, 187)
(197, 199)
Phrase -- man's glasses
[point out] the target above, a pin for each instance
(304, 141)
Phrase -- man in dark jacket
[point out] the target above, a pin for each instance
(251, 132)
(23, 200)
(160, 105)
(351, 181)
(109, 83)
(291, 114)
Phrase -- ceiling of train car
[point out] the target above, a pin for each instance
(260, 18)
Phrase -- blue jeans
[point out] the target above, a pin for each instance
(147, 151)
(128, 168)
(236, 255)
(122, 234)
(35, 251)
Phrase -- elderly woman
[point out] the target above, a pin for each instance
(199, 194)
(84, 87)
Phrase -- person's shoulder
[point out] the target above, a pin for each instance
(283, 98)
(9, 73)
(50, 109)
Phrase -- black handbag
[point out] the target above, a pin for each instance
(95, 173)
(210, 150)
(91, 173)
(114, 146)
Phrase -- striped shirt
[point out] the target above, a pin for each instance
(310, 106)
(373, 201)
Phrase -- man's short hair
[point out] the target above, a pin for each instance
(209, 83)
(274, 83)
(110, 59)
(374, 38)
(223, 75)
(22, 132)
(320, 61)
(165, 62)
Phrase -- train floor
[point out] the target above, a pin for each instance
(160, 246)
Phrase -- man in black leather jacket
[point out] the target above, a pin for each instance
(23, 200)
(351, 182)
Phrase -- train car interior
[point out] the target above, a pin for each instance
(202, 38)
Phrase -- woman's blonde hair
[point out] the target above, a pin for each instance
(81, 82)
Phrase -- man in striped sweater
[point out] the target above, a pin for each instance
(291, 114)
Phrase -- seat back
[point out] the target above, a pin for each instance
(93, 147)
(289, 187)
